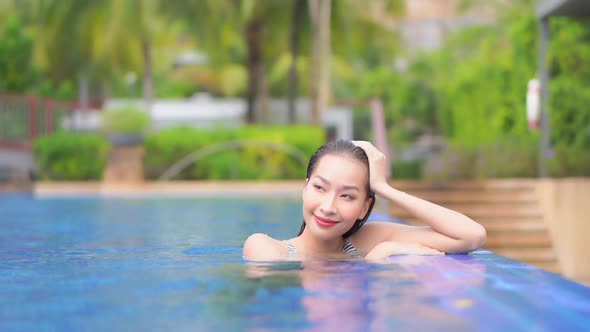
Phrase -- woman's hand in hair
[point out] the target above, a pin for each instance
(377, 166)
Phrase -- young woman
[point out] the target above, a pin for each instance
(343, 178)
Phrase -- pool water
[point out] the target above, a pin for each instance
(128, 264)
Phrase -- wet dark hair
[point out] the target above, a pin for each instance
(346, 148)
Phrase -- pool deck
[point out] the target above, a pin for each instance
(180, 188)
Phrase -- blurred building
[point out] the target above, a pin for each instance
(427, 23)
(204, 111)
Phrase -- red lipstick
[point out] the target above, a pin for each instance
(324, 222)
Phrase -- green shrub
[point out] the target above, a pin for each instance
(407, 170)
(509, 158)
(262, 158)
(479, 82)
(125, 120)
(455, 163)
(569, 161)
(506, 158)
(259, 162)
(569, 92)
(70, 156)
(62, 90)
(169, 146)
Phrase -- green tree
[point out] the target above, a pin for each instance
(96, 39)
(17, 72)
(570, 81)
(480, 76)
(297, 20)
(252, 33)
(320, 12)
(67, 40)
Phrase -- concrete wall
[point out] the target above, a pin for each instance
(566, 204)
(16, 159)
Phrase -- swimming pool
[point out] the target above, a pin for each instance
(127, 264)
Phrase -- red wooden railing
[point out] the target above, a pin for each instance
(24, 118)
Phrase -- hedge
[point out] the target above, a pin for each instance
(259, 155)
(70, 156)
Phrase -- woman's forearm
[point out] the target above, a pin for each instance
(390, 248)
(443, 220)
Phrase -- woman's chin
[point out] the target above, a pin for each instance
(326, 234)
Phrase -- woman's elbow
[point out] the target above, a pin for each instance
(470, 241)
(477, 238)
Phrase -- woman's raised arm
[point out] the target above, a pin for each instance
(447, 231)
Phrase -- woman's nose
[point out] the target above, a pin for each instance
(327, 205)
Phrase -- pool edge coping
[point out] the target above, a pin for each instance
(171, 188)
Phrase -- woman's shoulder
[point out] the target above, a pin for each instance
(373, 228)
(262, 247)
(373, 233)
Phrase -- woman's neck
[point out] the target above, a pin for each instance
(310, 245)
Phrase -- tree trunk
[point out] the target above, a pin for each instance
(262, 98)
(292, 87)
(148, 81)
(320, 64)
(256, 84)
(83, 94)
(83, 99)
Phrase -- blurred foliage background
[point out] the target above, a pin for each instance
(465, 99)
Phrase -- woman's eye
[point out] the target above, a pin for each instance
(318, 187)
(348, 197)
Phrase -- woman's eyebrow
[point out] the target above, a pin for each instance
(344, 187)
(350, 187)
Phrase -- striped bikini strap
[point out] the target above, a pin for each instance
(351, 249)
(290, 247)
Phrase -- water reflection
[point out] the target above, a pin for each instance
(336, 295)
(404, 292)
(167, 264)
(426, 292)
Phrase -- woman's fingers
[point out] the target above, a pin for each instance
(367, 146)
(372, 152)
(377, 163)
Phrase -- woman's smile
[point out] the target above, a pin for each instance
(323, 222)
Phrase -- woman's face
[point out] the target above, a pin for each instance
(335, 196)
